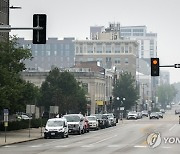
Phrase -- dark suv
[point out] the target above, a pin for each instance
(101, 120)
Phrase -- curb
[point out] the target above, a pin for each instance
(33, 139)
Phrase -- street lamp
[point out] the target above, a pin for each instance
(118, 98)
(121, 108)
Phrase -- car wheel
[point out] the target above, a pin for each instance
(67, 135)
(63, 135)
(79, 132)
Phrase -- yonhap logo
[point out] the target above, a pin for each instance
(154, 139)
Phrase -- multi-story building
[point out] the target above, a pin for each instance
(96, 82)
(147, 41)
(59, 53)
(4, 18)
(109, 50)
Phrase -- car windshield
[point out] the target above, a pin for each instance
(72, 118)
(55, 123)
(91, 118)
(99, 116)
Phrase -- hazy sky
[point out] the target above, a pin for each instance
(73, 18)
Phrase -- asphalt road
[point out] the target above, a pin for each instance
(128, 137)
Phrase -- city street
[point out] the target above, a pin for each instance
(129, 136)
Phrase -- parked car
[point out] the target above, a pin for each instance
(93, 122)
(160, 114)
(112, 119)
(56, 127)
(177, 111)
(139, 115)
(132, 115)
(101, 120)
(106, 121)
(145, 113)
(24, 117)
(154, 115)
(162, 110)
(76, 123)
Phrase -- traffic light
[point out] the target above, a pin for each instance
(110, 99)
(154, 66)
(39, 36)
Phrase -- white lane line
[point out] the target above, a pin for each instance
(87, 146)
(105, 139)
(10, 146)
(35, 146)
(61, 146)
(172, 127)
(140, 146)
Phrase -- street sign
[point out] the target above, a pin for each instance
(121, 108)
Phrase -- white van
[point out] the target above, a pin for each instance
(56, 127)
(76, 123)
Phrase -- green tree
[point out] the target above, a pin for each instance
(125, 89)
(61, 89)
(14, 92)
(166, 93)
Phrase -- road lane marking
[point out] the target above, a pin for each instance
(105, 139)
(87, 146)
(140, 146)
(61, 146)
(35, 146)
(10, 146)
(172, 127)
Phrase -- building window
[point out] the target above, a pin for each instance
(142, 47)
(151, 47)
(108, 48)
(81, 49)
(126, 49)
(122, 49)
(138, 30)
(108, 59)
(126, 61)
(99, 48)
(90, 48)
(117, 49)
(90, 59)
(55, 53)
(67, 46)
(117, 60)
(77, 49)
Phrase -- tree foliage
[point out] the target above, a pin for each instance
(166, 93)
(125, 88)
(61, 89)
(14, 92)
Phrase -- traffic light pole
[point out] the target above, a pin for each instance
(8, 28)
(167, 66)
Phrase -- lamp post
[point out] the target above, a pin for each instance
(120, 108)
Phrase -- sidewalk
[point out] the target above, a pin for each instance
(19, 136)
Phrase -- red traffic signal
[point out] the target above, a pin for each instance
(154, 66)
